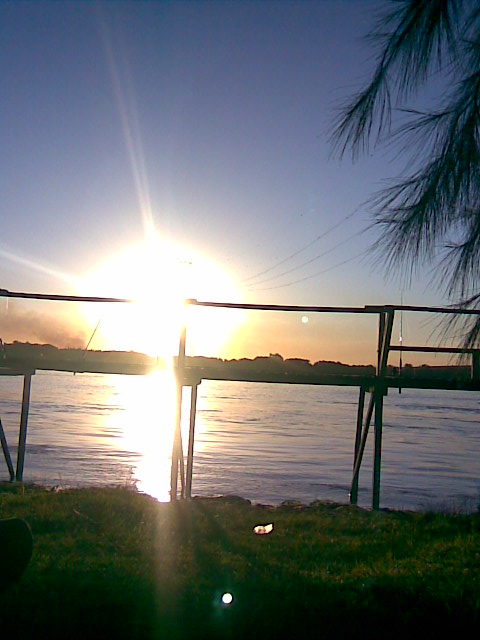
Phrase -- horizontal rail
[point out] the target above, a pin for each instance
(434, 349)
(193, 376)
(403, 307)
(4, 293)
(313, 309)
(276, 307)
(17, 371)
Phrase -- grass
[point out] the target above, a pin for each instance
(117, 564)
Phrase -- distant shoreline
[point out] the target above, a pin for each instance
(30, 355)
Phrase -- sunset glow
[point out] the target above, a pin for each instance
(158, 277)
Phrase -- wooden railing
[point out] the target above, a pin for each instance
(376, 386)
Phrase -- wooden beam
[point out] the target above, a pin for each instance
(361, 449)
(358, 434)
(384, 339)
(278, 307)
(377, 457)
(476, 366)
(366, 309)
(381, 331)
(22, 437)
(433, 349)
(6, 452)
(177, 443)
(191, 436)
(358, 438)
(420, 309)
(177, 449)
(5, 293)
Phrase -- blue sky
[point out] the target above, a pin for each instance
(208, 121)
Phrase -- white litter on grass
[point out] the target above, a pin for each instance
(263, 529)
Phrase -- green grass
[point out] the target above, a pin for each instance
(117, 564)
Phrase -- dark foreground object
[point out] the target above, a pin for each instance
(16, 546)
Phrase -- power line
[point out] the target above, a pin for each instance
(301, 250)
(311, 260)
(313, 275)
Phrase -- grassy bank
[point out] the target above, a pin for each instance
(117, 564)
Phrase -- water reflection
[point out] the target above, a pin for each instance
(146, 424)
(264, 442)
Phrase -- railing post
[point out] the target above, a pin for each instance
(358, 438)
(377, 457)
(384, 339)
(385, 336)
(476, 367)
(177, 449)
(22, 437)
(191, 436)
(6, 452)
(361, 449)
(381, 331)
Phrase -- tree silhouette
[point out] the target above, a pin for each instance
(431, 213)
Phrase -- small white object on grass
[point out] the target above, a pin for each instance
(227, 598)
(263, 529)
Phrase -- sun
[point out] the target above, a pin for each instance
(158, 277)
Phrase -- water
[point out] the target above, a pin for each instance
(264, 442)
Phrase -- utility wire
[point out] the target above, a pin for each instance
(301, 250)
(313, 275)
(314, 259)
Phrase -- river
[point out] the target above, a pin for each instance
(268, 443)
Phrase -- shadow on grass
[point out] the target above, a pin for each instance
(76, 605)
(158, 571)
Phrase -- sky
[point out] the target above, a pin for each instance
(181, 149)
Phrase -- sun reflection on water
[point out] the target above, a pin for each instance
(146, 424)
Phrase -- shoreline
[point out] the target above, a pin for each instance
(6, 486)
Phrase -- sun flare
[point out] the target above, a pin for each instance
(158, 277)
